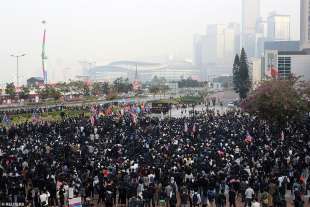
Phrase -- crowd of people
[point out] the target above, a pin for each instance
(208, 159)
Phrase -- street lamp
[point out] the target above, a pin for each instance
(17, 67)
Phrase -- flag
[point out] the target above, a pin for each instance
(58, 184)
(75, 202)
(133, 118)
(142, 106)
(248, 138)
(194, 128)
(274, 72)
(6, 120)
(185, 127)
(221, 153)
(282, 136)
(92, 120)
(93, 110)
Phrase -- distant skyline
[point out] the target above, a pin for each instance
(109, 30)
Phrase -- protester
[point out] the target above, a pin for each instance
(232, 197)
(249, 195)
(255, 203)
(133, 156)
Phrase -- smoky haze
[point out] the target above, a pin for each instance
(109, 30)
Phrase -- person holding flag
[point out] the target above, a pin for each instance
(92, 120)
(6, 121)
(35, 117)
(282, 136)
(248, 138)
(185, 127)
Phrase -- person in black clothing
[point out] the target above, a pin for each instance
(173, 199)
(122, 193)
(232, 197)
(101, 197)
(184, 198)
(147, 196)
(222, 198)
(75, 149)
(109, 194)
(61, 194)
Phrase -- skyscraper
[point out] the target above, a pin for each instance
(235, 27)
(305, 24)
(250, 16)
(197, 50)
(215, 39)
(219, 44)
(279, 27)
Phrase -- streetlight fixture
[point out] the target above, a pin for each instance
(17, 67)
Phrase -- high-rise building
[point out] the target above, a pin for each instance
(262, 27)
(235, 27)
(197, 50)
(305, 24)
(215, 39)
(218, 45)
(255, 71)
(214, 51)
(261, 37)
(279, 27)
(250, 16)
(291, 57)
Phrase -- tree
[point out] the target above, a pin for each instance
(64, 88)
(241, 77)
(155, 81)
(105, 88)
(49, 92)
(10, 90)
(76, 86)
(236, 77)
(158, 85)
(25, 91)
(86, 89)
(121, 85)
(204, 93)
(53, 93)
(189, 83)
(96, 89)
(43, 93)
(278, 101)
(154, 89)
(164, 89)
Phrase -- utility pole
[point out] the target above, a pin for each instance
(17, 67)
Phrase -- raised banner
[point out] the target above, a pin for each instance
(75, 202)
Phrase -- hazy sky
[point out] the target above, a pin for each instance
(107, 30)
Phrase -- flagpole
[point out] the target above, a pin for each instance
(43, 53)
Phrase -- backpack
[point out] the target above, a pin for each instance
(195, 199)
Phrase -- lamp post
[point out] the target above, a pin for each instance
(17, 67)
